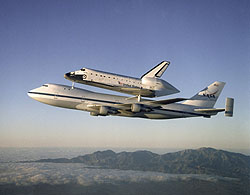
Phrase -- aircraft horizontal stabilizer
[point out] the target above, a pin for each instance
(210, 110)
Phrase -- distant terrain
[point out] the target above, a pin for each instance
(201, 161)
(189, 172)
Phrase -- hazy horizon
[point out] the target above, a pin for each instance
(88, 150)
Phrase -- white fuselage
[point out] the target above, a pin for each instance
(145, 87)
(104, 104)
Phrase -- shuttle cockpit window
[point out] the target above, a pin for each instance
(83, 69)
(45, 85)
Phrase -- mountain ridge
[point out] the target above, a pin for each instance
(190, 161)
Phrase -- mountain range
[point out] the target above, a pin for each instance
(200, 161)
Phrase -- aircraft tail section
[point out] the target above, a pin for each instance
(207, 97)
(157, 71)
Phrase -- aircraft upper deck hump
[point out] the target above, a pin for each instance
(157, 71)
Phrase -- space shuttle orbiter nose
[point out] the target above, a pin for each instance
(67, 76)
(71, 76)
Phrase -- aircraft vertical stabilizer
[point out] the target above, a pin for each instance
(208, 96)
(157, 71)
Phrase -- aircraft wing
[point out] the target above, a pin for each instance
(147, 106)
(164, 102)
(137, 91)
(153, 103)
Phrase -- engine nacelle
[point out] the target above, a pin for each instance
(135, 108)
(93, 113)
(103, 111)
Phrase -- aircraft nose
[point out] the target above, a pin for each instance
(69, 75)
(31, 93)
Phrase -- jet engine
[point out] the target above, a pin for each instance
(135, 108)
(93, 114)
(103, 111)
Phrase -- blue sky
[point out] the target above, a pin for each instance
(204, 40)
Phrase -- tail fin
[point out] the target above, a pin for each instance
(157, 71)
(208, 96)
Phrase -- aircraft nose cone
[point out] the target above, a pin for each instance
(31, 93)
(67, 75)
(70, 76)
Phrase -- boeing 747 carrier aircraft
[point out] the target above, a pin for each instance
(98, 104)
(149, 85)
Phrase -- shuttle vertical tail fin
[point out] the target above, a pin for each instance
(208, 96)
(157, 71)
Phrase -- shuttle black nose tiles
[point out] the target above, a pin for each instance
(73, 77)
(67, 75)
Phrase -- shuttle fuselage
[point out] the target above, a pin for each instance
(149, 85)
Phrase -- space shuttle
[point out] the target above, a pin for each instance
(149, 85)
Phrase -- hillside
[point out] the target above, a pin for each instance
(200, 161)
